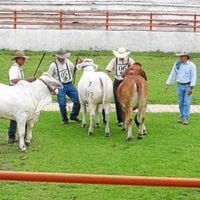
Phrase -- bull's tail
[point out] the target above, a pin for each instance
(103, 81)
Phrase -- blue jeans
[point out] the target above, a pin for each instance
(184, 100)
(12, 129)
(69, 90)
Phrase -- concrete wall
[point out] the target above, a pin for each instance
(100, 40)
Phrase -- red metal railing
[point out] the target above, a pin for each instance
(100, 179)
(99, 19)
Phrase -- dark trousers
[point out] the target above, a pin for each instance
(69, 90)
(117, 103)
(12, 129)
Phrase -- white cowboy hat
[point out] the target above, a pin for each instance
(62, 54)
(183, 53)
(19, 54)
(121, 52)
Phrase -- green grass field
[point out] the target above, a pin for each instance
(170, 149)
(156, 64)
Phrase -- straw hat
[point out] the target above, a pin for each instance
(121, 52)
(62, 54)
(183, 53)
(19, 54)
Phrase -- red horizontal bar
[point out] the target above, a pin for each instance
(99, 179)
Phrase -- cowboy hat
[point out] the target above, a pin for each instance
(19, 54)
(183, 53)
(63, 54)
(121, 52)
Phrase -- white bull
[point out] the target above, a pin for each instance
(24, 101)
(95, 88)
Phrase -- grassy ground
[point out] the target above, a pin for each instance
(156, 64)
(170, 149)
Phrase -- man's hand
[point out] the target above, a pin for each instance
(166, 87)
(190, 91)
(31, 79)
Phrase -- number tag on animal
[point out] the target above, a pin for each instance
(65, 76)
(121, 69)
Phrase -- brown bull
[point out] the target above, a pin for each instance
(132, 94)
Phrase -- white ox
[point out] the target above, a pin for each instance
(24, 101)
(95, 88)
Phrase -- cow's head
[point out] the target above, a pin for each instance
(87, 65)
(52, 84)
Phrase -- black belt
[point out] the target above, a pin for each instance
(183, 83)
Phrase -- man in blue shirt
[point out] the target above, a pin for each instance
(184, 72)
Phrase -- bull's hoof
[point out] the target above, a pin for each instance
(107, 134)
(83, 125)
(23, 149)
(90, 133)
(27, 144)
(144, 132)
(129, 138)
(97, 125)
(139, 137)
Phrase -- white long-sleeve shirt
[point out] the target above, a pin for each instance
(183, 73)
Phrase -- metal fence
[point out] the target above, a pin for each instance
(99, 20)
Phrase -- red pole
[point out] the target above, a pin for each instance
(195, 23)
(99, 179)
(107, 20)
(15, 19)
(151, 21)
(61, 19)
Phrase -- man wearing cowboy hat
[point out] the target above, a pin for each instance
(184, 71)
(15, 75)
(62, 69)
(118, 65)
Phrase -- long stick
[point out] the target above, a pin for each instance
(39, 64)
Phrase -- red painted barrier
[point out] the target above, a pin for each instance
(99, 179)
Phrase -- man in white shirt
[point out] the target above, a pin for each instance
(118, 66)
(184, 72)
(15, 75)
(62, 69)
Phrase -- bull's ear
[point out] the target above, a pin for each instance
(79, 66)
(144, 75)
(46, 74)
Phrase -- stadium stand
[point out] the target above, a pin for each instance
(191, 6)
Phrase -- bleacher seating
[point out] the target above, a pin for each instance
(192, 6)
